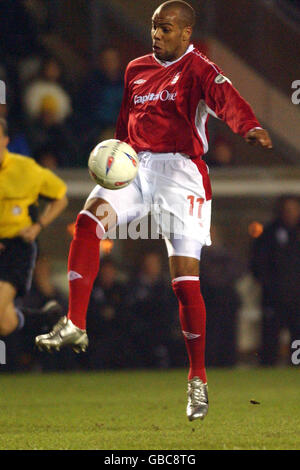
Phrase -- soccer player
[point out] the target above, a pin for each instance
(22, 181)
(168, 96)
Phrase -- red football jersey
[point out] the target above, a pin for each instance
(166, 105)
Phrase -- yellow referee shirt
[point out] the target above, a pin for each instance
(22, 181)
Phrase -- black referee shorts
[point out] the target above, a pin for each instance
(17, 262)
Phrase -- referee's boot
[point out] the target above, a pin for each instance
(64, 333)
(197, 406)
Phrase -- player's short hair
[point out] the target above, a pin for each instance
(187, 12)
(4, 126)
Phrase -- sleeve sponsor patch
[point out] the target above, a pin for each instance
(221, 79)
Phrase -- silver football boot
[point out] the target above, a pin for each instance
(64, 333)
(197, 406)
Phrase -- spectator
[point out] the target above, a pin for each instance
(46, 131)
(101, 96)
(106, 321)
(221, 154)
(48, 110)
(19, 39)
(219, 272)
(47, 157)
(19, 31)
(154, 310)
(104, 89)
(47, 86)
(276, 265)
(18, 142)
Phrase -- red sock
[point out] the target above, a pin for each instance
(192, 316)
(83, 265)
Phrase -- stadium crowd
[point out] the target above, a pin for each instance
(132, 318)
(51, 118)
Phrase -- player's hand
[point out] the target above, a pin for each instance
(2, 247)
(259, 137)
(29, 234)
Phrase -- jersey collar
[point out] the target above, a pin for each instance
(168, 63)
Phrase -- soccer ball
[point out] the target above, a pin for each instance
(113, 164)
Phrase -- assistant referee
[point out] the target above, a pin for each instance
(22, 182)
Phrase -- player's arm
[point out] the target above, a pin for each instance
(259, 137)
(227, 104)
(54, 188)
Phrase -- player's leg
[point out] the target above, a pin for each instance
(184, 272)
(183, 196)
(83, 266)
(9, 319)
(84, 256)
(192, 313)
(103, 210)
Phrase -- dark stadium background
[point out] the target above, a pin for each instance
(261, 59)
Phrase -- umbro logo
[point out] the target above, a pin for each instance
(139, 82)
(190, 335)
(72, 275)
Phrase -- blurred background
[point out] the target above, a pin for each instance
(62, 62)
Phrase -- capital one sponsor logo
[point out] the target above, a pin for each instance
(163, 95)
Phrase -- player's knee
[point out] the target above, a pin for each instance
(87, 226)
(103, 211)
(183, 266)
(187, 290)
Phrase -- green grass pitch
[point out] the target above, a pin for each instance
(146, 410)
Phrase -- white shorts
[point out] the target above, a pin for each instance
(176, 192)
